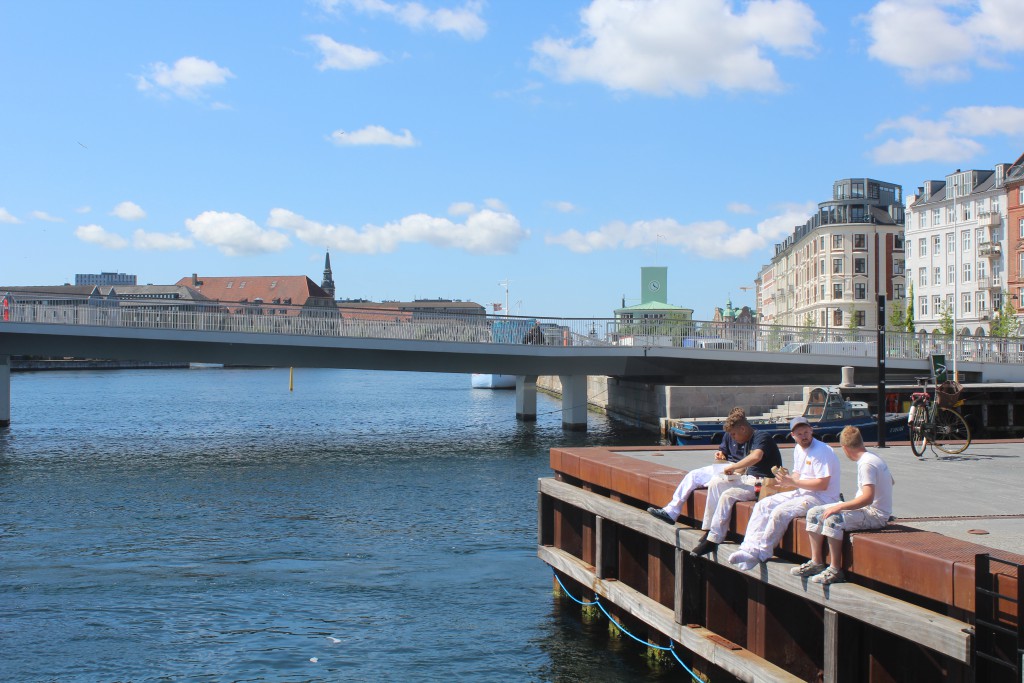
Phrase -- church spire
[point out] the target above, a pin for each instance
(328, 282)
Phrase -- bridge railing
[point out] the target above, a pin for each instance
(455, 326)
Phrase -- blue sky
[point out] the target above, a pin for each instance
(440, 147)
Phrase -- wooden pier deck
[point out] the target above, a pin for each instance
(914, 608)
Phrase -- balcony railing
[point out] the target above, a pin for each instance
(990, 249)
(989, 219)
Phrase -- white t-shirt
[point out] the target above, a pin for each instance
(815, 462)
(872, 470)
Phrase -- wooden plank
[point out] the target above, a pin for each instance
(932, 630)
(831, 646)
(741, 663)
(677, 599)
(599, 547)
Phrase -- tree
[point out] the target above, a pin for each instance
(807, 331)
(897, 318)
(1005, 323)
(946, 320)
(852, 328)
(909, 317)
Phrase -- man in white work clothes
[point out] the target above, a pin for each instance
(815, 475)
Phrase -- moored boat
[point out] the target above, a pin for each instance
(826, 410)
(489, 381)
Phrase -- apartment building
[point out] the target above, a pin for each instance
(829, 272)
(1015, 234)
(956, 249)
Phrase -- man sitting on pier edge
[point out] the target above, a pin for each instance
(728, 451)
(737, 481)
(871, 509)
(816, 478)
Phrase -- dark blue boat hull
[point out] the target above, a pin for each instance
(710, 433)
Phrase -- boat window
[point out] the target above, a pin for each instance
(816, 403)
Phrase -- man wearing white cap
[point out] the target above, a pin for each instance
(816, 478)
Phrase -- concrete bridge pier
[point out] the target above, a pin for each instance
(5, 391)
(526, 398)
(574, 402)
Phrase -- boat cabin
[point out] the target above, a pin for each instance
(826, 403)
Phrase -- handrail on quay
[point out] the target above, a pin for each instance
(446, 326)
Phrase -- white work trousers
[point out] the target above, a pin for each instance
(724, 491)
(771, 518)
(690, 483)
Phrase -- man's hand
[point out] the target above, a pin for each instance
(835, 509)
(720, 456)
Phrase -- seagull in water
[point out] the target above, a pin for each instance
(334, 641)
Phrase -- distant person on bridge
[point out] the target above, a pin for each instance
(737, 481)
(871, 509)
(816, 478)
(728, 451)
(535, 335)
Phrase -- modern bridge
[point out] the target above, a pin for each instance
(654, 351)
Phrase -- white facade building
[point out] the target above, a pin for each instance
(829, 272)
(956, 249)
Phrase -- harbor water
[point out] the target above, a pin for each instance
(211, 525)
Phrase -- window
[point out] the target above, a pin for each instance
(937, 276)
(967, 272)
(922, 276)
(936, 216)
(823, 291)
(965, 236)
(860, 290)
(860, 266)
(897, 292)
(950, 243)
(968, 210)
(1020, 195)
(837, 318)
(837, 241)
(922, 247)
(837, 266)
(857, 190)
(1020, 266)
(922, 305)
(965, 302)
(897, 241)
(1020, 225)
(837, 290)
(949, 301)
(860, 241)
(982, 302)
(230, 284)
(910, 249)
(898, 265)
(937, 304)
(937, 245)
(920, 220)
(822, 240)
(821, 269)
(859, 318)
(949, 215)
(951, 274)
(979, 235)
(980, 270)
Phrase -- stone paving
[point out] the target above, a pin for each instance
(979, 490)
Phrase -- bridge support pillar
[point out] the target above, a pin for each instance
(574, 402)
(5, 391)
(526, 398)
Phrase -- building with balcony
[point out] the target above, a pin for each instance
(829, 272)
(1015, 234)
(956, 249)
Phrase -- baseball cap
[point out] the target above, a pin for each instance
(797, 421)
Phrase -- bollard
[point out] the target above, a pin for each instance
(847, 376)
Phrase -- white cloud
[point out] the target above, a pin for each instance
(128, 211)
(483, 232)
(83, 209)
(95, 234)
(739, 207)
(461, 209)
(188, 78)
(709, 239)
(335, 55)
(665, 47)
(495, 204)
(7, 217)
(562, 207)
(465, 21)
(373, 135)
(234, 234)
(949, 139)
(160, 241)
(43, 216)
(940, 40)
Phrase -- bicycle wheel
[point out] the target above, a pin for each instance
(952, 435)
(919, 433)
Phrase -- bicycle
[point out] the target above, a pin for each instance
(933, 421)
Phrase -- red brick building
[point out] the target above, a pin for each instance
(1015, 233)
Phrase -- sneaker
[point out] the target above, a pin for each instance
(743, 560)
(704, 547)
(808, 569)
(829, 576)
(661, 514)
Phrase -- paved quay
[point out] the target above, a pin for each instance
(979, 490)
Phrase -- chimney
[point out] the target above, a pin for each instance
(195, 280)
